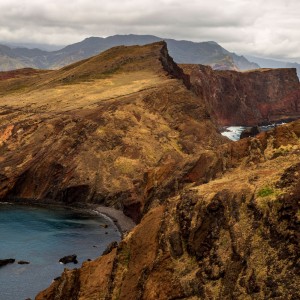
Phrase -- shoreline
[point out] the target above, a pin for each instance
(122, 222)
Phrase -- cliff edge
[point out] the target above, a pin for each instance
(261, 96)
(94, 131)
(232, 237)
(129, 129)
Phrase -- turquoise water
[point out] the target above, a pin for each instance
(42, 236)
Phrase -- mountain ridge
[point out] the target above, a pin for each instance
(182, 51)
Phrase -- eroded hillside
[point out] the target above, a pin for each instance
(235, 237)
(129, 129)
(92, 131)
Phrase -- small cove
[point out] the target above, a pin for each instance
(234, 132)
(42, 236)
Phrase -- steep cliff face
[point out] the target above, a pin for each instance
(217, 220)
(247, 98)
(93, 131)
(234, 237)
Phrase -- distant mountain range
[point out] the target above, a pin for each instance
(206, 53)
(272, 63)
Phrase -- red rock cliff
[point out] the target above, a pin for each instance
(247, 98)
(234, 237)
(98, 129)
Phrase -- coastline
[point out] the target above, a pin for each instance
(42, 235)
(122, 222)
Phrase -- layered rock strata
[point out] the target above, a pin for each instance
(95, 131)
(130, 129)
(234, 237)
(250, 98)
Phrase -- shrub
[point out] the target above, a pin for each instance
(265, 191)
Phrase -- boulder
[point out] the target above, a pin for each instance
(250, 132)
(23, 262)
(57, 278)
(69, 259)
(4, 262)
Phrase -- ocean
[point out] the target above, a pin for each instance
(42, 236)
(234, 132)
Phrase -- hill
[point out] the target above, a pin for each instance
(209, 53)
(230, 237)
(97, 126)
(129, 129)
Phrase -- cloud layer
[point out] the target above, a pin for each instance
(259, 27)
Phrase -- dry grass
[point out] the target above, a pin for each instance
(82, 95)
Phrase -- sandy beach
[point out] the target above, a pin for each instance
(124, 223)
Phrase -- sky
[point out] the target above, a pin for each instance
(269, 28)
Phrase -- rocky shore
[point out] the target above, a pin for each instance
(129, 129)
(124, 223)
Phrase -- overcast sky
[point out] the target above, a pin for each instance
(261, 27)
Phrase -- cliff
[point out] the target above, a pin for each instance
(99, 127)
(234, 237)
(129, 129)
(247, 98)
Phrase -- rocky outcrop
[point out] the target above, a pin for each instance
(216, 220)
(250, 132)
(234, 237)
(69, 259)
(23, 262)
(4, 262)
(172, 68)
(100, 129)
(247, 98)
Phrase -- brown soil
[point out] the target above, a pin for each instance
(129, 130)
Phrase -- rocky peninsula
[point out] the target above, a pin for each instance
(132, 130)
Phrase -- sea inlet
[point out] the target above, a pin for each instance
(41, 236)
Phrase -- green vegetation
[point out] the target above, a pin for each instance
(124, 256)
(265, 191)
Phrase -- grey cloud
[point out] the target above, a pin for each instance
(268, 27)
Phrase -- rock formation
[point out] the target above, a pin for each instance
(4, 262)
(130, 129)
(235, 237)
(250, 132)
(23, 262)
(247, 98)
(100, 130)
(69, 259)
